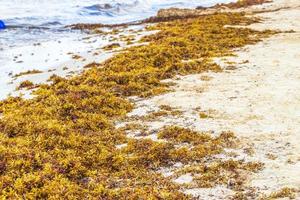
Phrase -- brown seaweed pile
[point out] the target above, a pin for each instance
(62, 144)
(241, 4)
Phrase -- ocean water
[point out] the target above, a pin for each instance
(35, 20)
(56, 12)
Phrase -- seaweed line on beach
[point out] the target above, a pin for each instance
(62, 143)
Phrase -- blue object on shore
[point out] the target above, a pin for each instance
(2, 25)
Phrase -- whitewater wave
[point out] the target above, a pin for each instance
(111, 10)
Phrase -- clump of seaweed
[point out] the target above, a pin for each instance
(62, 142)
(285, 192)
(244, 3)
(152, 116)
(155, 154)
(111, 46)
(231, 173)
(76, 57)
(34, 71)
(235, 5)
(134, 127)
(26, 85)
(204, 115)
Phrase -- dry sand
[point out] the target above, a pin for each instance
(259, 101)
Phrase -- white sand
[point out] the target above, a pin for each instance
(53, 56)
(259, 101)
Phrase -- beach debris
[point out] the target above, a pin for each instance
(2, 25)
(34, 71)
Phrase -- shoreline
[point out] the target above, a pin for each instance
(62, 59)
(54, 58)
(244, 100)
(223, 101)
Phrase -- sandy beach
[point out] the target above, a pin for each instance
(233, 127)
(258, 100)
(63, 57)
